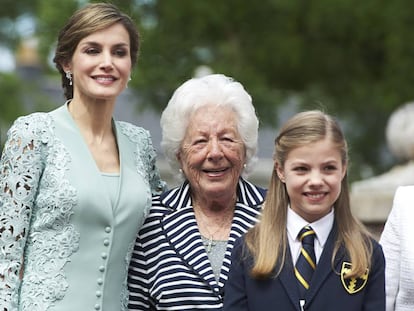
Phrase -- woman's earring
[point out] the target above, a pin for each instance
(69, 76)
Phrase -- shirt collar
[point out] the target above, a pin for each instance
(322, 227)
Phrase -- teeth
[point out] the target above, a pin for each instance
(104, 79)
(315, 196)
(216, 171)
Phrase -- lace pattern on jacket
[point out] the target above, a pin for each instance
(145, 159)
(35, 160)
(35, 192)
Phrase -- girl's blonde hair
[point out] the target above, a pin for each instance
(267, 241)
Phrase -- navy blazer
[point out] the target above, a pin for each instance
(328, 291)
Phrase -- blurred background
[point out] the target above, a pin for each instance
(354, 59)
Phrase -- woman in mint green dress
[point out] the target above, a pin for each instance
(75, 185)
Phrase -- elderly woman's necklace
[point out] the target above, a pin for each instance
(209, 241)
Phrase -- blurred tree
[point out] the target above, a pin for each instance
(10, 12)
(10, 107)
(21, 91)
(352, 58)
(10, 85)
(51, 16)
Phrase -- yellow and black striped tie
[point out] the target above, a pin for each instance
(306, 263)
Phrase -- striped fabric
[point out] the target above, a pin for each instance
(169, 268)
(306, 263)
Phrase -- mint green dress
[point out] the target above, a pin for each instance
(65, 240)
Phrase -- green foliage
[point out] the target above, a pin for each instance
(19, 97)
(51, 16)
(11, 105)
(353, 58)
(10, 11)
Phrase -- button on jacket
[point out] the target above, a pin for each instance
(57, 216)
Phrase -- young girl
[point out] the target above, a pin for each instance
(308, 188)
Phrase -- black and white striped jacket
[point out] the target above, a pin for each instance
(169, 268)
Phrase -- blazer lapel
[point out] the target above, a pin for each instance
(244, 218)
(289, 281)
(246, 214)
(181, 231)
(68, 130)
(324, 267)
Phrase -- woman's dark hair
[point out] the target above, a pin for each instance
(85, 21)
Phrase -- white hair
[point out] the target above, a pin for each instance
(195, 93)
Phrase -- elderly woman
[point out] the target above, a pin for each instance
(182, 253)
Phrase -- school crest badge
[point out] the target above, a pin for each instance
(352, 285)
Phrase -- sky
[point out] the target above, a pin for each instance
(25, 26)
(7, 61)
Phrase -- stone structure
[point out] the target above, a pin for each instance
(371, 199)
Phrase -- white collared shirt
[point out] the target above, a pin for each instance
(322, 228)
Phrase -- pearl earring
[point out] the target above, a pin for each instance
(69, 76)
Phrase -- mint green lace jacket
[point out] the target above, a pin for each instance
(63, 244)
